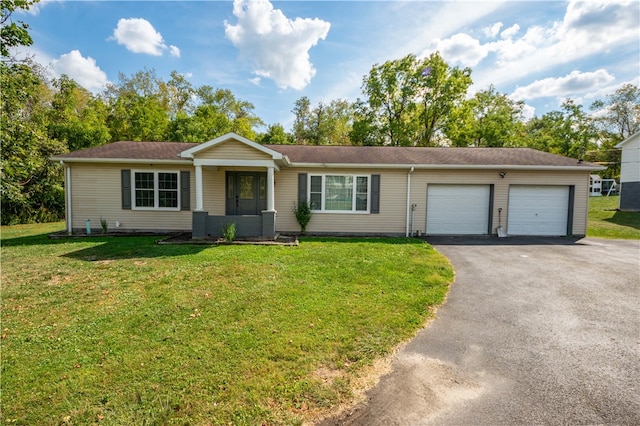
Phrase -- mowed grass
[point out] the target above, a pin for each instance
(120, 330)
(606, 222)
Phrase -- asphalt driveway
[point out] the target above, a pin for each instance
(534, 331)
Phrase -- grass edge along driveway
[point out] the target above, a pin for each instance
(119, 330)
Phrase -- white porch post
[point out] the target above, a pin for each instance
(199, 203)
(270, 189)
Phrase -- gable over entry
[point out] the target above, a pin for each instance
(249, 185)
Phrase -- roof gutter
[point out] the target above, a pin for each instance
(445, 166)
(119, 160)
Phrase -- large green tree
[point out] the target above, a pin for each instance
(441, 89)
(408, 101)
(489, 119)
(618, 115)
(324, 124)
(275, 135)
(218, 112)
(30, 185)
(138, 111)
(569, 132)
(76, 117)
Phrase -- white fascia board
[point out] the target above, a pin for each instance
(443, 167)
(627, 140)
(231, 136)
(235, 163)
(120, 161)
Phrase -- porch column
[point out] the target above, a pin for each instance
(199, 203)
(270, 189)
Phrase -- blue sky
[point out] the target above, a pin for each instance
(273, 53)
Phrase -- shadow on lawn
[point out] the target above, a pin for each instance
(631, 219)
(107, 247)
(113, 248)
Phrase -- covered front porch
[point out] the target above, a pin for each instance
(245, 172)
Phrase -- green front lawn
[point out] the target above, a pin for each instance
(120, 330)
(606, 222)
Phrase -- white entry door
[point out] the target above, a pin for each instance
(538, 210)
(458, 209)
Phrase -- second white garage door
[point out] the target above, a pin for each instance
(538, 210)
(458, 209)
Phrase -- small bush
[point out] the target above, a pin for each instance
(105, 225)
(229, 231)
(303, 214)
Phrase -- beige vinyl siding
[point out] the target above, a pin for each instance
(390, 220)
(421, 178)
(96, 194)
(213, 191)
(232, 150)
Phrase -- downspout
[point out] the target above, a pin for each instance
(406, 233)
(67, 196)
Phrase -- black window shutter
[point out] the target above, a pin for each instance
(302, 187)
(375, 194)
(185, 190)
(126, 189)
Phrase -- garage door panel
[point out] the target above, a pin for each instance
(458, 209)
(538, 210)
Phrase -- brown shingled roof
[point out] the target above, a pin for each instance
(128, 150)
(356, 155)
(423, 156)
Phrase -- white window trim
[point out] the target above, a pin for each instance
(156, 190)
(354, 193)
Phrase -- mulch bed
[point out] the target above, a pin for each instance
(185, 238)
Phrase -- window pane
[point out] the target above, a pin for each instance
(263, 187)
(230, 186)
(362, 184)
(338, 193)
(144, 190)
(316, 193)
(361, 193)
(167, 198)
(144, 198)
(316, 201)
(316, 183)
(246, 187)
(144, 181)
(167, 181)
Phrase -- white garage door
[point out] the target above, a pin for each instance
(538, 210)
(458, 209)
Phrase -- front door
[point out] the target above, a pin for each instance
(246, 193)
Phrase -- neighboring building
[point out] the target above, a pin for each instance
(355, 190)
(630, 173)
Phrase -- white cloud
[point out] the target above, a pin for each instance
(277, 46)
(174, 51)
(462, 49)
(510, 32)
(255, 81)
(571, 85)
(83, 70)
(139, 36)
(493, 30)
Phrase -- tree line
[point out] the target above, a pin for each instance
(405, 102)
